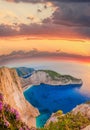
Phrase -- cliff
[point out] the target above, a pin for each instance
(49, 77)
(10, 118)
(78, 118)
(83, 109)
(24, 71)
(11, 88)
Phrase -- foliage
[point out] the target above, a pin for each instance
(10, 118)
(58, 113)
(69, 122)
(52, 74)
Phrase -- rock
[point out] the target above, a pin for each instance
(86, 128)
(49, 77)
(83, 109)
(11, 88)
(54, 117)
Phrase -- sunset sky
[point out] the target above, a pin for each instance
(45, 28)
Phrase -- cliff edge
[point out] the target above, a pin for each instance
(77, 119)
(49, 77)
(11, 88)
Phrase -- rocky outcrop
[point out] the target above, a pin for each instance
(83, 109)
(11, 88)
(86, 128)
(49, 77)
(54, 117)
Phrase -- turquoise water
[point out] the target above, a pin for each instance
(49, 99)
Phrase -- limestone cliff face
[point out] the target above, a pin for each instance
(43, 77)
(11, 88)
(86, 128)
(83, 108)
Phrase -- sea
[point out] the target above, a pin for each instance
(49, 99)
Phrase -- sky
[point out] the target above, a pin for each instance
(45, 28)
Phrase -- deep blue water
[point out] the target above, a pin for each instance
(49, 99)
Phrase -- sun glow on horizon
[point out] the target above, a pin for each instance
(27, 44)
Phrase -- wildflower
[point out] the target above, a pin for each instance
(1, 106)
(15, 112)
(6, 124)
(17, 115)
(21, 128)
(7, 107)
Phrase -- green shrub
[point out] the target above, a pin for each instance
(69, 122)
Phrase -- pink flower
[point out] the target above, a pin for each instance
(15, 112)
(6, 124)
(21, 128)
(7, 107)
(1, 106)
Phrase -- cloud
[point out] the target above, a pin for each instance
(7, 30)
(68, 20)
(31, 18)
(84, 32)
(39, 10)
(28, 30)
(34, 53)
(44, 31)
(69, 1)
(40, 1)
(71, 15)
(26, 1)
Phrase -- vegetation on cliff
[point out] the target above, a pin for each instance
(55, 75)
(27, 72)
(10, 86)
(68, 122)
(52, 74)
(10, 118)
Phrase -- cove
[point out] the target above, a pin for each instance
(49, 99)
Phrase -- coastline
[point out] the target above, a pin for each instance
(26, 87)
(29, 86)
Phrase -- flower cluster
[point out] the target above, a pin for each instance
(12, 111)
(24, 128)
(10, 118)
(15, 113)
(1, 106)
(6, 124)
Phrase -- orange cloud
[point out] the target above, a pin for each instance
(35, 54)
